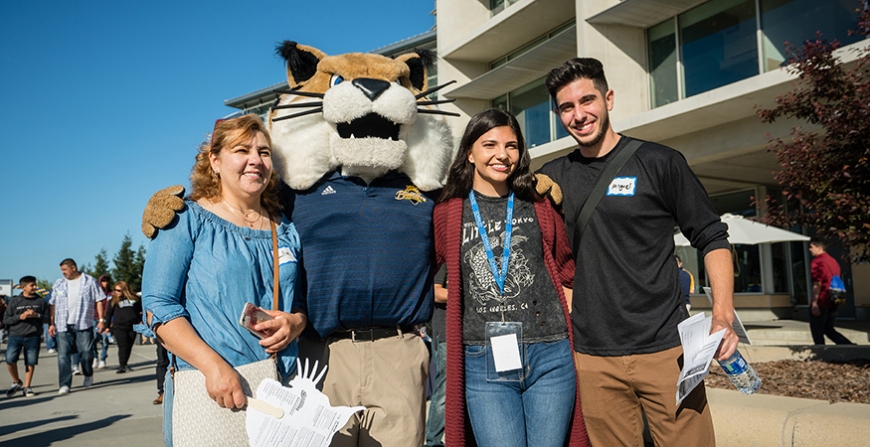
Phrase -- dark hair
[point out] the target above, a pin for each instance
(819, 242)
(460, 177)
(69, 262)
(677, 257)
(105, 277)
(26, 280)
(577, 68)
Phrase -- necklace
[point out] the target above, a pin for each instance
(244, 216)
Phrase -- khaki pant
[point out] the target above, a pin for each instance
(387, 376)
(614, 390)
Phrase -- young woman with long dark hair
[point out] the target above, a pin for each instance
(510, 368)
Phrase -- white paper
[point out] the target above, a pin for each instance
(309, 420)
(506, 353)
(699, 346)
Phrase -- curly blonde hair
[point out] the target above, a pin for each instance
(205, 184)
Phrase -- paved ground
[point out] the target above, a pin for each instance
(115, 410)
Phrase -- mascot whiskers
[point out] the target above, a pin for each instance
(362, 152)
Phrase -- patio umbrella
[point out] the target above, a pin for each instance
(745, 231)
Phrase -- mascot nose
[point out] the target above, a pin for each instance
(371, 87)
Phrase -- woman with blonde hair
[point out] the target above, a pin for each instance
(216, 256)
(125, 310)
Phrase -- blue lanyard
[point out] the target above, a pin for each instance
(506, 252)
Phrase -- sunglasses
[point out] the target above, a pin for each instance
(119, 290)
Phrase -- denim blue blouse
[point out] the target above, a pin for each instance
(204, 268)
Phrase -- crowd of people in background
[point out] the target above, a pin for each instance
(77, 320)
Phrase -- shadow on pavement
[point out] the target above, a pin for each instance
(56, 435)
(5, 430)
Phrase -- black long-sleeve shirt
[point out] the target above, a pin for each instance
(124, 314)
(627, 295)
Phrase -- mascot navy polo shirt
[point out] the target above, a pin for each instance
(383, 280)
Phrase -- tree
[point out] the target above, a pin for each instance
(101, 264)
(826, 174)
(44, 284)
(126, 268)
(139, 267)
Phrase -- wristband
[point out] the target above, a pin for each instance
(102, 320)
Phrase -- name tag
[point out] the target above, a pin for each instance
(285, 255)
(622, 186)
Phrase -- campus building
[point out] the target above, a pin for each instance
(686, 73)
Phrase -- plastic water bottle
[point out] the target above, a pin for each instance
(741, 373)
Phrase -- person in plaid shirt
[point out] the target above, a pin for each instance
(73, 303)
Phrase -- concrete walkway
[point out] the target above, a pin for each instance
(767, 420)
(116, 410)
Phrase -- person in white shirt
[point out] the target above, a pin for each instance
(73, 302)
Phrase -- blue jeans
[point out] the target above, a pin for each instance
(104, 341)
(535, 411)
(84, 343)
(167, 410)
(435, 421)
(50, 342)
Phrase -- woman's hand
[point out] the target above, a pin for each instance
(223, 385)
(281, 330)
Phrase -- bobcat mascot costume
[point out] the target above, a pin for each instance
(361, 155)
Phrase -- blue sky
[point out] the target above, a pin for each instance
(104, 102)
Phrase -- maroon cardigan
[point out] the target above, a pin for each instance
(560, 264)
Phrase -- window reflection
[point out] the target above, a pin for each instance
(718, 44)
(796, 21)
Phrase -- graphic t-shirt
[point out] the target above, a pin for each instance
(529, 294)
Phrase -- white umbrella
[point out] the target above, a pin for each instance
(745, 231)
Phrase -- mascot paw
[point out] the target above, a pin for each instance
(547, 187)
(161, 209)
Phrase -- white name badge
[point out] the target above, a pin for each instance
(285, 255)
(622, 186)
(505, 353)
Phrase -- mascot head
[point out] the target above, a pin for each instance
(361, 113)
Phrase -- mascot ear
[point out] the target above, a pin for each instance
(417, 63)
(301, 61)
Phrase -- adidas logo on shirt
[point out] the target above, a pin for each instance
(327, 191)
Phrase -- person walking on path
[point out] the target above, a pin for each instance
(687, 282)
(125, 310)
(823, 311)
(24, 317)
(627, 297)
(73, 303)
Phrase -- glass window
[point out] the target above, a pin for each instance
(779, 253)
(796, 21)
(718, 44)
(662, 41)
(495, 7)
(531, 105)
(747, 258)
(501, 102)
(800, 259)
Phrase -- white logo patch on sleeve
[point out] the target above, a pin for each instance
(285, 255)
(622, 186)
